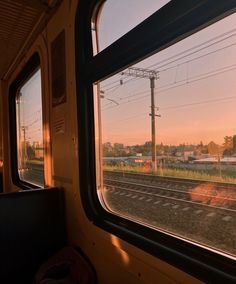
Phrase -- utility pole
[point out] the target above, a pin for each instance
(24, 129)
(152, 75)
(19, 139)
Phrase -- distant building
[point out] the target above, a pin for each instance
(188, 154)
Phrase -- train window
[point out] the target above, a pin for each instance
(166, 151)
(157, 130)
(30, 149)
(123, 16)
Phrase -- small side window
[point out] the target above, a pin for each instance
(29, 131)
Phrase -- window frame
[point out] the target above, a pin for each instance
(32, 65)
(189, 16)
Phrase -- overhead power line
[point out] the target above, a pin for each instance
(157, 64)
(178, 84)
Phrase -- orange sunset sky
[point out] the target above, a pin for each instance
(195, 93)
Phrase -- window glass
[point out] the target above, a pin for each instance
(119, 17)
(166, 139)
(30, 150)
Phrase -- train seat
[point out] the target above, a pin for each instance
(32, 228)
(1, 182)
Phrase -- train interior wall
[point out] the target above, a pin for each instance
(115, 260)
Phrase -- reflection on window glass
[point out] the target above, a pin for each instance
(119, 17)
(29, 131)
(167, 136)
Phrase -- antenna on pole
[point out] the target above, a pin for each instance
(152, 75)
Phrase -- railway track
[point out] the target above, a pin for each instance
(33, 175)
(174, 195)
(180, 183)
(193, 209)
(211, 194)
